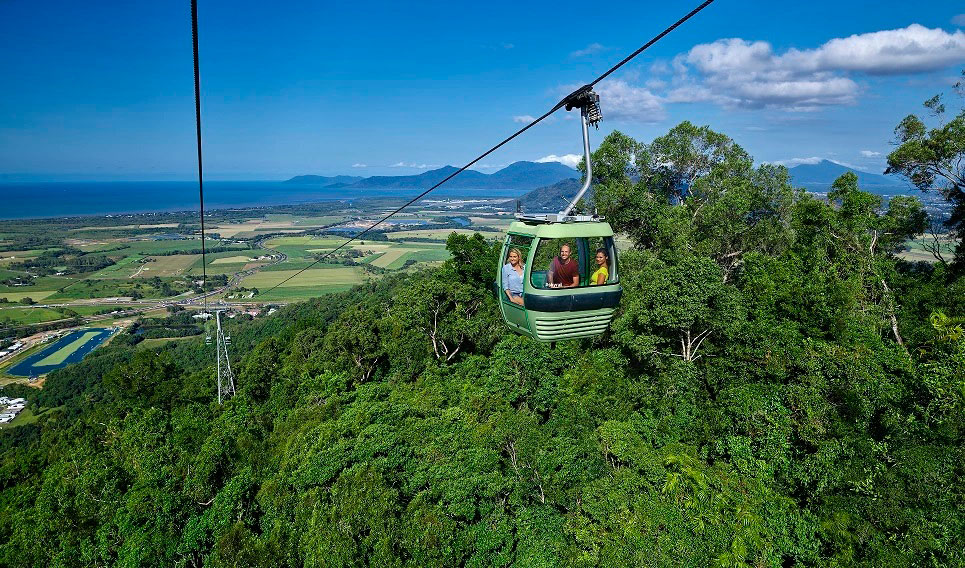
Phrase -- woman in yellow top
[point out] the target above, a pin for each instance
(602, 273)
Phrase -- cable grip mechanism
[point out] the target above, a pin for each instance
(588, 102)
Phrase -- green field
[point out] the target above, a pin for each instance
(26, 292)
(122, 268)
(273, 223)
(139, 259)
(40, 285)
(227, 262)
(124, 227)
(232, 260)
(328, 276)
(296, 293)
(159, 341)
(308, 284)
(918, 252)
(25, 316)
(302, 247)
(437, 234)
(26, 416)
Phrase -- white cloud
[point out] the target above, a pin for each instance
(739, 73)
(571, 160)
(413, 165)
(655, 84)
(959, 20)
(524, 118)
(791, 162)
(908, 50)
(620, 100)
(660, 67)
(360, 165)
(591, 49)
(869, 153)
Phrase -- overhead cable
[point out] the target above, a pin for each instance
(567, 99)
(197, 116)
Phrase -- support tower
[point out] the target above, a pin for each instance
(226, 379)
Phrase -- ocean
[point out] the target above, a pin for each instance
(66, 199)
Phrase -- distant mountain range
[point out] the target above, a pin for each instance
(813, 177)
(324, 181)
(819, 177)
(520, 175)
(549, 185)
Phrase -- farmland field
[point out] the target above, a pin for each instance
(917, 251)
(116, 227)
(389, 257)
(227, 262)
(26, 292)
(232, 260)
(24, 316)
(312, 277)
(436, 234)
(308, 284)
(156, 257)
(273, 223)
(173, 265)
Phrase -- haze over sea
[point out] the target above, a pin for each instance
(66, 199)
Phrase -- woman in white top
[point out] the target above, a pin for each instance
(513, 277)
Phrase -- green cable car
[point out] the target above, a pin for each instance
(558, 275)
(551, 307)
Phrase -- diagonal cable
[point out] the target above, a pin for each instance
(197, 115)
(575, 94)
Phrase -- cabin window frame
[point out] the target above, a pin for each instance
(515, 240)
(585, 258)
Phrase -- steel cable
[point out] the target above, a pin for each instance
(542, 117)
(197, 115)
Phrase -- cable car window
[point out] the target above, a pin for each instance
(574, 262)
(557, 264)
(602, 256)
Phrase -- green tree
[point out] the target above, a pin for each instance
(935, 159)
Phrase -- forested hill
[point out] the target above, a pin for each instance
(772, 392)
(551, 198)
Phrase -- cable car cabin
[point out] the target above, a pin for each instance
(557, 276)
(569, 286)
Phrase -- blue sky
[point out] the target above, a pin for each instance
(96, 90)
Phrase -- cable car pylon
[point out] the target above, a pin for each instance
(226, 378)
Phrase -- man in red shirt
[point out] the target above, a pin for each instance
(564, 271)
